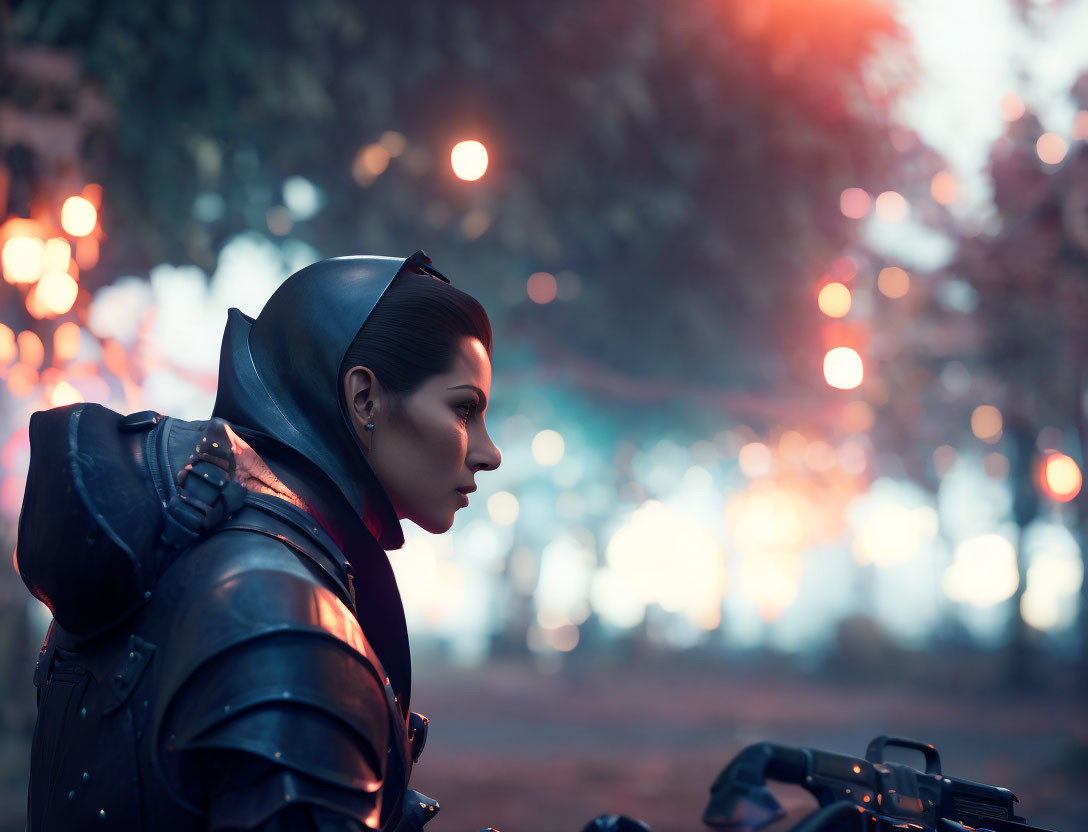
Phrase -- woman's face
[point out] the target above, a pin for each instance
(423, 455)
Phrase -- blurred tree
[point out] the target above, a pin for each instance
(684, 159)
(1002, 325)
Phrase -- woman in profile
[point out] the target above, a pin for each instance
(228, 648)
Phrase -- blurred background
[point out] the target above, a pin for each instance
(791, 375)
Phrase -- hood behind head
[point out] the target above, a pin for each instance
(279, 373)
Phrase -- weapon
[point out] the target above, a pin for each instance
(870, 795)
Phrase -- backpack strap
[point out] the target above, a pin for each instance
(205, 495)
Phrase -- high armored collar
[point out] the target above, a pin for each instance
(248, 404)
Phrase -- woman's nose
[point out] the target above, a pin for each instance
(488, 458)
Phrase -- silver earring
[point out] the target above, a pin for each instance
(368, 426)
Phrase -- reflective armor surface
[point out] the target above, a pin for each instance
(252, 672)
(247, 665)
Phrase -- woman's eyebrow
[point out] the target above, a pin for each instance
(483, 398)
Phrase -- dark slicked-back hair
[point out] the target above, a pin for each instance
(413, 332)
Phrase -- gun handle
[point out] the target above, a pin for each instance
(875, 752)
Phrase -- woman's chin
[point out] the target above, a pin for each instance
(436, 524)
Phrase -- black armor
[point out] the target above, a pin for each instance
(221, 659)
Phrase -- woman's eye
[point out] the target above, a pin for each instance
(466, 410)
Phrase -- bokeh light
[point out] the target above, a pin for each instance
(755, 460)
(854, 203)
(57, 255)
(1051, 148)
(986, 423)
(843, 368)
(834, 300)
(1061, 478)
(542, 287)
(983, 572)
(31, 349)
(8, 348)
(944, 188)
(22, 259)
(78, 216)
(893, 282)
(1080, 126)
(469, 160)
(53, 295)
(890, 206)
(370, 162)
(548, 448)
(66, 342)
(1012, 107)
(64, 394)
(502, 507)
(670, 561)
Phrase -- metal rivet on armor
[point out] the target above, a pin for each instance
(278, 754)
(848, 791)
(287, 694)
(101, 814)
(82, 713)
(132, 657)
(147, 595)
(86, 776)
(145, 703)
(808, 779)
(226, 709)
(215, 444)
(71, 795)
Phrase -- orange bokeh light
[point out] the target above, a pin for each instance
(66, 342)
(854, 203)
(8, 350)
(58, 255)
(843, 368)
(78, 216)
(1051, 148)
(986, 423)
(891, 206)
(53, 295)
(31, 349)
(87, 252)
(1012, 107)
(469, 160)
(22, 259)
(893, 282)
(542, 287)
(834, 300)
(944, 188)
(63, 394)
(1060, 477)
(22, 380)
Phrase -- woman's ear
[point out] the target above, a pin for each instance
(361, 398)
